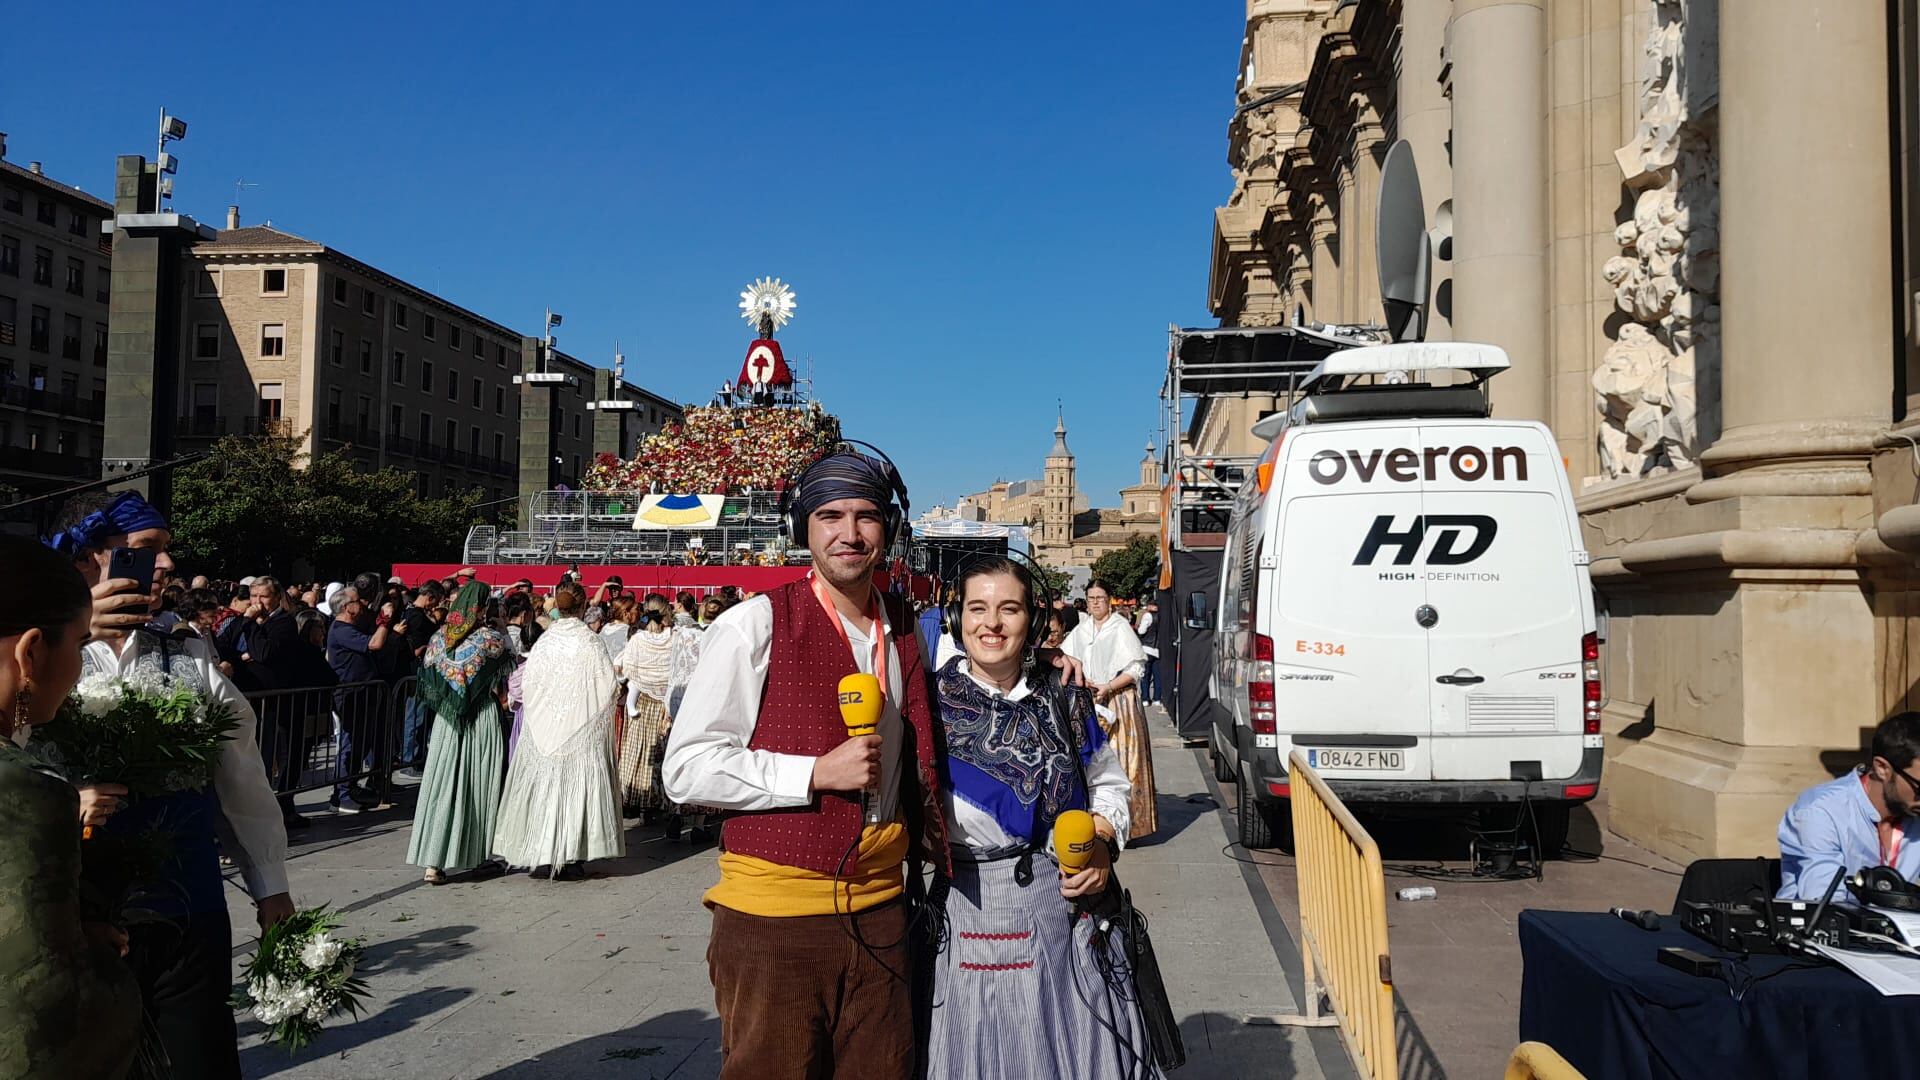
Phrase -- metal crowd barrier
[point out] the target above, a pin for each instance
(320, 736)
(1538, 1061)
(1343, 925)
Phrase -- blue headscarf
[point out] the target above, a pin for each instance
(127, 513)
(1014, 759)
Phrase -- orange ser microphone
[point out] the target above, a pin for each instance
(860, 703)
(1073, 840)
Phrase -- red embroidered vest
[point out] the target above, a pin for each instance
(800, 714)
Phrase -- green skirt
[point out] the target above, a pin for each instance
(459, 793)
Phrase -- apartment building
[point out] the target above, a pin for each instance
(54, 264)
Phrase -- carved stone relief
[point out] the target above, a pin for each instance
(1666, 281)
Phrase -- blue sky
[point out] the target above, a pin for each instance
(981, 207)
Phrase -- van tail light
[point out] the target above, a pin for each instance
(1260, 687)
(1590, 675)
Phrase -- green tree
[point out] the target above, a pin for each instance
(1053, 579)
(1131, 571)
(258, 505)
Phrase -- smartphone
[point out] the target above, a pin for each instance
(134, 563)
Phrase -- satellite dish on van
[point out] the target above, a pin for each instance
(1402, 248)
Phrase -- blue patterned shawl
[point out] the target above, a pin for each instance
(1012, 758)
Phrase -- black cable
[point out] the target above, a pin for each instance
(1595, 856)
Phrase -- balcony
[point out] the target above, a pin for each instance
(46, 401)
(214, 425)
(346, 431)
(19, 459)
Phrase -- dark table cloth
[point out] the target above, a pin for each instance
(1593, 988)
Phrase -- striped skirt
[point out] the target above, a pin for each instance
(1127, 728)
(643, 740)
(1018, 988)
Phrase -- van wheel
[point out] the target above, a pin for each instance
(1552, 819)
(1222, 768)
(1256, 829)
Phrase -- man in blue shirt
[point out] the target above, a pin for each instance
(356, 634)
(1865, 818)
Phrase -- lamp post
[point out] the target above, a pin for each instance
(172, 129)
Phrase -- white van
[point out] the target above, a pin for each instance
(1405, 598)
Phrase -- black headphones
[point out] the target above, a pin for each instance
(795, 524)
(1039, 597)
(1882, 886)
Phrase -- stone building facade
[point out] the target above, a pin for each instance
(1707, 276)
(288, 335)
(1067, 530)
(54, 288)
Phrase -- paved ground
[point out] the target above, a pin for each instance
(523, 978)
(1456, 959)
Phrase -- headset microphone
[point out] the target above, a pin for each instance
(860, 703)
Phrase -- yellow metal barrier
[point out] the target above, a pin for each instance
(1343, 924)
(1538, 1061)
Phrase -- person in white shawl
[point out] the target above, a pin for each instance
(560, 808)
(1114, 661)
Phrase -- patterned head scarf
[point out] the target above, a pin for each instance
(846, 475)
(127, 513)
(464, 615)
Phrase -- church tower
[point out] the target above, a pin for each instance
(1056, 496)
(1149, 468)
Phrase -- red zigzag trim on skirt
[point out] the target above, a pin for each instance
(975, 935)
(1021, 966)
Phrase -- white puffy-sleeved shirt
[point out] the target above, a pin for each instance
(1107, 791)
(240, 779)
(1106, 649)
(708, 762)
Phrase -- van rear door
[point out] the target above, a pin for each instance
(1504, 580)
(1351, 685)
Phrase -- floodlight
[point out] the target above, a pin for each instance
(169, 164)
(172, 127)
(553, 319)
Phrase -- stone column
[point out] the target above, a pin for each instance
(1362, 210)
(1500, 193)
(1806, 220)
(1426, 123)
(1326, 264)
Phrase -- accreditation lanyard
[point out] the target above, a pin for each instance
(879, 631)
(1890, 850)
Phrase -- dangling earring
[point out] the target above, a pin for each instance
(22, 703)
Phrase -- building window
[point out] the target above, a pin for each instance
(76, 277)
(479, 347)
(37, 378)
(396, 417)
(206, 406)
(42, 266)
(333, 408)
(48, 213)
(206, 282)
(499, 447)
(40, 330)
(499, 401)
(365, 417)
(366, 357)
(339, 354)
(453, 336)
(367, 303)
(477, 391)
(399, 314)
(340, 291)
(273, 339)
(273, 282)
(474, 442)
(10, 256)
(76, 223)
(397, 370)
(99, 344)
(70, 337)
(11, 200)
(101, 278)
(453, 433)
(426, 430)
(500, 355)
(453, 385)
(9, 327)
(576, 425)
(426, 326)
(272, 395)
(426, 376)
(35, 437)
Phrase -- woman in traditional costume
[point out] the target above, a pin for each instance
(1110, 651)
(561, 807)
(461, 678)
(69, 1005)
(646, 662)
(1023, 987)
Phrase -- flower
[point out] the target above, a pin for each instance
(98, 694)
(320, 952)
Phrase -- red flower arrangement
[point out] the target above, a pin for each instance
(722, 450)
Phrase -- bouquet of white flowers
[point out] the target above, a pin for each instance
(143, 729)
(302, 974)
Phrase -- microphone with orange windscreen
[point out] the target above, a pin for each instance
(860, 703)
(1073, 840)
